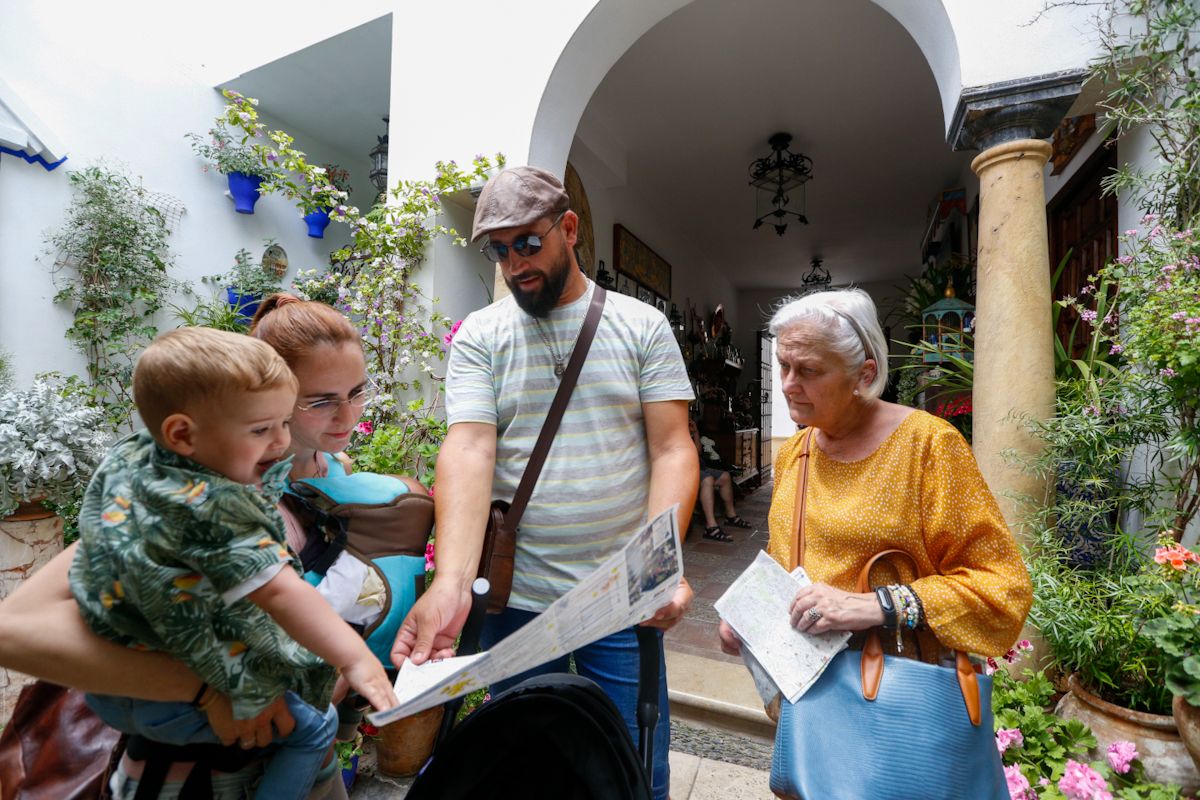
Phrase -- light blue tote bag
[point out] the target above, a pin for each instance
(885, 727)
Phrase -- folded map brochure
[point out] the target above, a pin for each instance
(626, 589)
(757, 605)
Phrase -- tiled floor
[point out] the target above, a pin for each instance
(710, 567)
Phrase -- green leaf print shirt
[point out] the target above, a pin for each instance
(168, 550)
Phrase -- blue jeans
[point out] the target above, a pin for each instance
(293, 762)
(612, 663)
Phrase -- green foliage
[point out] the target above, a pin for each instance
(1151, 71)
(212, 312)
(408, 447)
(373, 284)
(1178, 633)
(229, 152)
(112, 260)
(247, 277)
(321, 287)
(1048, 740)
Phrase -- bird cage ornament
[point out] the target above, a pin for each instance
(946, 326)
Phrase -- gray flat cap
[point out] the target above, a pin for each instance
(516, 197)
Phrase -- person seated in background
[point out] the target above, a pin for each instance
(714, 480)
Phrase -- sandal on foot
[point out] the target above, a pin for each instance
(716, 534)
(737, 522)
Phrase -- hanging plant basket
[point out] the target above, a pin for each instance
(243, 189)
(317, 222)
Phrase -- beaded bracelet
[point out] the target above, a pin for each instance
(901, 613)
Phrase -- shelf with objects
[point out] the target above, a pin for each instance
(725, 416)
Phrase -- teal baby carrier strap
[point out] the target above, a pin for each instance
(376, 519)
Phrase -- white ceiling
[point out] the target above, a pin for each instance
(337, 90)
(693, 102)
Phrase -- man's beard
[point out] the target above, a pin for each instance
(540, 302)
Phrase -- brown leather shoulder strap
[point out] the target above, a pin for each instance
(541, 449)
(797, 555)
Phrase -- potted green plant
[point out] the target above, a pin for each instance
(327, 194)
(1177, 634)
(246, 284)
(244, 164)
(52, 437)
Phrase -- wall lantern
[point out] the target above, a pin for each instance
(379, 159)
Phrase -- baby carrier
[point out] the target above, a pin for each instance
(377, 520)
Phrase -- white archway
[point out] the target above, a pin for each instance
(613, 26)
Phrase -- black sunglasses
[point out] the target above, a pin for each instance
(524, 246)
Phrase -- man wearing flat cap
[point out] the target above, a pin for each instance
(622, 451)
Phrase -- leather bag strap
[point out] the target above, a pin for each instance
(872, 653)
(541, 449)
(796, 558)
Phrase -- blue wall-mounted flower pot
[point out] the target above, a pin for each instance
(245, 304)
(350, 773)
(244, 190)
(317, 222)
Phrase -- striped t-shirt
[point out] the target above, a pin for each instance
(594, 488)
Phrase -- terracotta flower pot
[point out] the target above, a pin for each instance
(1158, 743)
(1187, 720)
(404, 746)
(29, 538)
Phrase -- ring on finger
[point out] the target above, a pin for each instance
(813, 614)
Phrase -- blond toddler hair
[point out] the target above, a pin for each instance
(188, 366)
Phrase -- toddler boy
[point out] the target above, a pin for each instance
(182, 550)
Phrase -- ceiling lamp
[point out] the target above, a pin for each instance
(817, 279)
(379, 159)
(777, 177)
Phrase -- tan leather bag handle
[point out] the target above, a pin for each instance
(796, 557)
(872, 654)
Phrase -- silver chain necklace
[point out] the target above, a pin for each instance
(560, 365)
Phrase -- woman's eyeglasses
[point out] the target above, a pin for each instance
(327, 408)
(524, 246)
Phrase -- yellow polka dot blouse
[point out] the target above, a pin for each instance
(920, 491)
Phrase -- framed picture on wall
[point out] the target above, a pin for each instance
(632, 257)
(626, 286)
(661, 305)
(645, 295)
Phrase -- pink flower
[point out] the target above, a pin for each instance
(1167, 372)
(449, 337)
(1116, 349)
(429, 556)
(1018, 784)
(1087, 315)
(365, 427)
(1009, 737)
(1025, 646)
(1081, 782)
(991, 667)
(1120, 754)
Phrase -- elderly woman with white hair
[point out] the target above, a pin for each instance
(882, 477)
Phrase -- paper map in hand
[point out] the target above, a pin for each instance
(757, 606)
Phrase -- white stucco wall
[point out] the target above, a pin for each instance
(130, 106)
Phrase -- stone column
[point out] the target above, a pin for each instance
(27, 541)
(1014, 355)
(1014, 358)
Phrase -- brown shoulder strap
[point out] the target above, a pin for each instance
(541, 449)
(797, 555)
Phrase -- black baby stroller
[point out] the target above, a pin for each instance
(553, 736)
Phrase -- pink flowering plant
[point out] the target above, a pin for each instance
(1046, 756)
(1177, 634)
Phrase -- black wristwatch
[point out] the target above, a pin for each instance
(889, 607)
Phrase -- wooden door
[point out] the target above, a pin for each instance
(1082, 220)
(765, 368)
